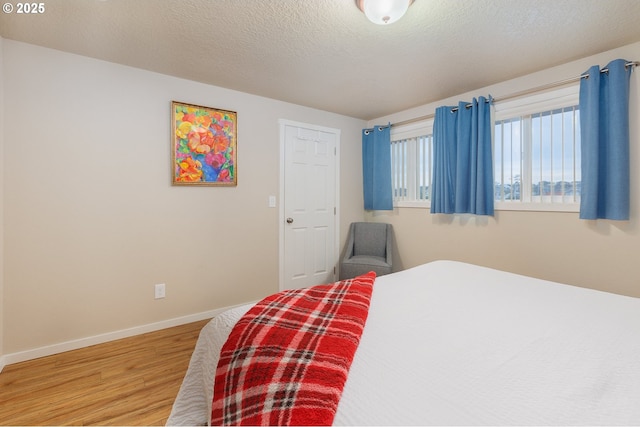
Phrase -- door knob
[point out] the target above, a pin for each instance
(289, 220)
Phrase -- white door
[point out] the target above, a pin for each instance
(308, 208)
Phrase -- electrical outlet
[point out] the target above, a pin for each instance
(160, 291)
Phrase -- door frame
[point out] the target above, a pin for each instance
(281, 220)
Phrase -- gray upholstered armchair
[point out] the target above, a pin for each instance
(368, 249)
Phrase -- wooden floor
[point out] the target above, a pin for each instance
(132, 381)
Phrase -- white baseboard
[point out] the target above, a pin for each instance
(49, 350)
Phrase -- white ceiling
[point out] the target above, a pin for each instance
(324, 53)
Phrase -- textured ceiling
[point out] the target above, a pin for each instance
(324, 53)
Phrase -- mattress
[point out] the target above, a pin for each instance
(449, 343)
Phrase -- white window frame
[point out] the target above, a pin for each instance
(412, 131)
(567, 96)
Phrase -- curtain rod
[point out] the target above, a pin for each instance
(518, 94)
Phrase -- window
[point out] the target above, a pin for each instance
(536, 155)
(537, 152)
(537, 158)
(412, 167)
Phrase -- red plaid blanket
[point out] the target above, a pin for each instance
(286, 360)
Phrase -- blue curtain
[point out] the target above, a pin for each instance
(376, 168)
(604, 133)
(462, 159)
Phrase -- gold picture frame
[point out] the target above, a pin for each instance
(204, 145)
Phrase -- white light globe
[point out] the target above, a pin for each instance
(385, 12)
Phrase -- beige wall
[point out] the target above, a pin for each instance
(91, 221)
(555, 246)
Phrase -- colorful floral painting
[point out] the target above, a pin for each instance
(204, 145)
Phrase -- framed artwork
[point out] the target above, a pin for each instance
(204, 145)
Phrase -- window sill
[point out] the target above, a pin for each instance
(537, 207)
(412, 204)
(504, 206)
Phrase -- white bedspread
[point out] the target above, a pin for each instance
(448, 343)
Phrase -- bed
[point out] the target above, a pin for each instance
(449, 343)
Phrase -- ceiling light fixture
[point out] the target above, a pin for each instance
(384, 12)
